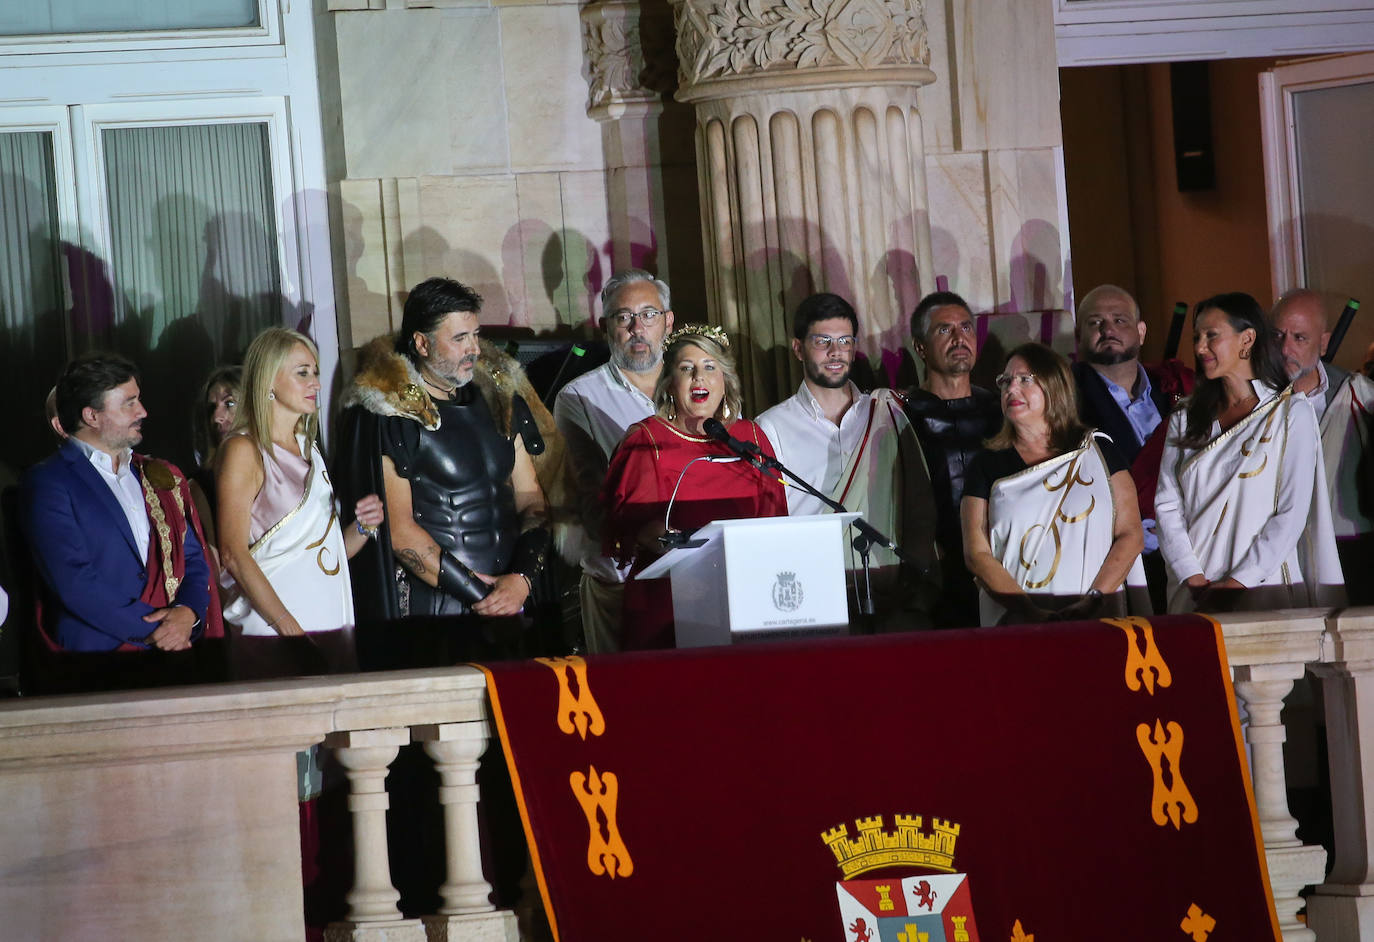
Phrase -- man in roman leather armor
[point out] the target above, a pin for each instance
(952, 418)
(436, 421)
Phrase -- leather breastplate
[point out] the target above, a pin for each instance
(460, 484)
(952, 431)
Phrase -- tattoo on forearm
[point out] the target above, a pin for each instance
(412, 561)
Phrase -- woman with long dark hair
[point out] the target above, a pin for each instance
(1244, 519)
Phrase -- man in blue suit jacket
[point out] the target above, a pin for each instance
(89, 517)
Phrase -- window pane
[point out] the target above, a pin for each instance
(194, 257)
(33, 312)
(1334, 136)
(47, 17)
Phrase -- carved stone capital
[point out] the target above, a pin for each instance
(777, 43)
(629, 56)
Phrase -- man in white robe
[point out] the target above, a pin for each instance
(1344, 403)
(860, 450)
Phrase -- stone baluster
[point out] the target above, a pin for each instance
(810, 166)
(466, 911)
(1342, 908)
(1268, 653)
(372, 911)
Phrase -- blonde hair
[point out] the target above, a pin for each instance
(731, 404)
(265, 357)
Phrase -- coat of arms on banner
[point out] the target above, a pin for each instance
(787, 592)
(930, 907)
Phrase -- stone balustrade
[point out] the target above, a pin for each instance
(172, 814)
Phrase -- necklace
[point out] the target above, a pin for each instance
(448, 392)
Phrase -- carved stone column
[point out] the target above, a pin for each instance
(628, 49)
(810, 163)
(466, 911)
(1343, 906)
(373, 915)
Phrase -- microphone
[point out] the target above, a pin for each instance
(746, 450)
(675, 538)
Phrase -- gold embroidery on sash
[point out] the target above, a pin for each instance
(164, 534)
(319, 557)
(1071, 477)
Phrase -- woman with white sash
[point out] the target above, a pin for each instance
(284, 547)
(1050, 520)
(1244, 519)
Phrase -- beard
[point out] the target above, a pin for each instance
(816, 374)
(632, 362)
(1113, 357)
(452, 371)
(1295, 370)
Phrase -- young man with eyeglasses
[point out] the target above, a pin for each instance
(593, 412)
(859, 449)
(952, 418)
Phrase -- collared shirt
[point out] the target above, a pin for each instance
(812, 446)
(127, 490)
(1140, 411)
(1318, 396)
(592, 413)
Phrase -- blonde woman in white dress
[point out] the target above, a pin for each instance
(283, 542)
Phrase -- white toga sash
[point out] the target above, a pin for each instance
(871, 477)
(1052, 525)
(1229, 489)
(304, 558)
(1345, 431)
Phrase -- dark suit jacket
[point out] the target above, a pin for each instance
(1170, 381)
(85, 552)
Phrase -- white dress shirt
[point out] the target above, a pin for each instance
(812, 446)
(1317, 396)
(592, 412)
(127, 490)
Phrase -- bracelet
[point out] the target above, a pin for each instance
(529, 583)
(369, 532)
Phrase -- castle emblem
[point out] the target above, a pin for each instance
(914, 908)
(787, 592)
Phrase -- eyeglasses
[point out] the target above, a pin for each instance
(823, 342)
(1020, 380)
(648, 317)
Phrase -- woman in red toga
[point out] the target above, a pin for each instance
(698, 382)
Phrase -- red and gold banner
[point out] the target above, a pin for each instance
(1059, 782)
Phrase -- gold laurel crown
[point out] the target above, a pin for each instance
(710, 331)
(907, 844)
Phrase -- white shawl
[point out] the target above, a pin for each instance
(1052, 525)
(1251, 504)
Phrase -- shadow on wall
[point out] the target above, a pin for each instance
(175, 334)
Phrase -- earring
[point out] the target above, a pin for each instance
(725, 411)
(672, 410)
(1245, 354)
(271, 395)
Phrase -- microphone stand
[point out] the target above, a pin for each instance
(677, 539)
(863, 543)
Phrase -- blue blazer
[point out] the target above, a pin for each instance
(85, 551)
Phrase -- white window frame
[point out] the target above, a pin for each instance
(196, 75)
(1103, 32)
(267, 33)
(1287, 256)
(94, 120)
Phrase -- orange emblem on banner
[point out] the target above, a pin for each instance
(577, 709)
(1198, 924)
(1144, 665)
(1171, 803)
(1019, 935)
(606, 852)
